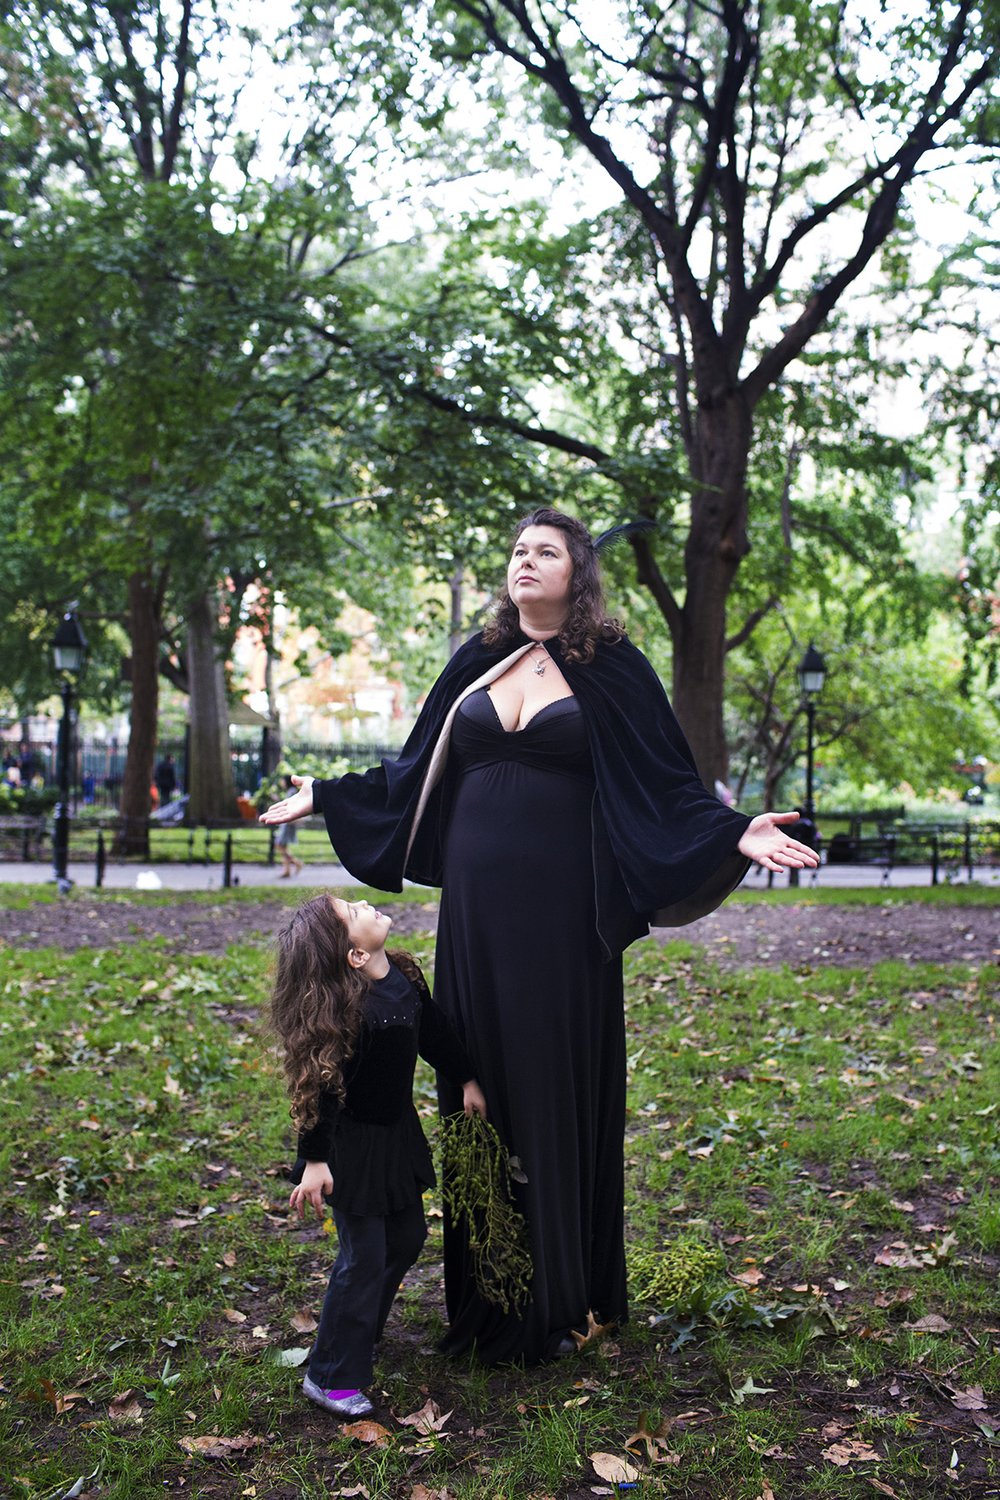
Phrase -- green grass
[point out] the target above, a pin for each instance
(811, 1125)
(20, 897)
(961, 894)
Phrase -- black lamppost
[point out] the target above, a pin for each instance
(69, 648)
(812, 675)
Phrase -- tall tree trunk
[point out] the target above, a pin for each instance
(210, 772)
(455, 633)
(716, 545)
(144, 638)
(270, 751)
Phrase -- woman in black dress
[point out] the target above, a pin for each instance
(548, 789)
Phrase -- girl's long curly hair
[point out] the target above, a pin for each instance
(587, 620)
(316, 1003)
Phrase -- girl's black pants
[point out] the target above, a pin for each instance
(375, 1254)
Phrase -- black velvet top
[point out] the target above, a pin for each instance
(398, 1025)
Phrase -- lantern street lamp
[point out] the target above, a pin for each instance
(69, 647)
(812, 675)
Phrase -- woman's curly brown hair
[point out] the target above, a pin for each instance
(316, 1003)
(587, 620)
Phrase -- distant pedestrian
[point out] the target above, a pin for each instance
(352, 1020)
(165, 780)
(29, 765)
(284, 837)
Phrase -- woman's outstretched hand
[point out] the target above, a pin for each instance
(767, 844)
(298, 804)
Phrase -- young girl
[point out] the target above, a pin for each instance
(352, 1020)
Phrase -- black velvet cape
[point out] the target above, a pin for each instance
(664, 846)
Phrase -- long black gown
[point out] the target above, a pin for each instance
(520, 974)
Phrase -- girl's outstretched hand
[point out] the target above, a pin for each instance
(473, 1099)
(767, 844)
(317, 1180)
(298, 804)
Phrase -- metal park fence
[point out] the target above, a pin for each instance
(98, 767)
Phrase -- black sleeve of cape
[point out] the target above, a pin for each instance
(369, 814)
(664, 846)
(673, 841)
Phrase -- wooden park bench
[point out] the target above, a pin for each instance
(21, 835)
(878, 849)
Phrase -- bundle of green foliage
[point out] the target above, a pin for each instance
(477, 1173)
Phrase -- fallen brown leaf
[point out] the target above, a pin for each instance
(970, 1400)
(428, 1419)
(751, 1277)
(212, 1445)
(900, 1255)
(654, 1440)
(61, 1400)
(893, 1299)
(125, 1410)
(68, 1401)
(851, 1451)
(615, 1470)
(594, 1331)
(943, 1249)
(368, 1432)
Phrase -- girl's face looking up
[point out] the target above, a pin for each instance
(366, 927)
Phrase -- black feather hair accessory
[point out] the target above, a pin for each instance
(619, 533)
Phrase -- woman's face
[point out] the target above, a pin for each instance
(540, 572)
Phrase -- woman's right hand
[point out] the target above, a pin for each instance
(298, 804)
(317, 1181)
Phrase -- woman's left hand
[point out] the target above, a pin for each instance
(767, 844)
(473, 1099)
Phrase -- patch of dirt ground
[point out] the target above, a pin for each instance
(736, 935)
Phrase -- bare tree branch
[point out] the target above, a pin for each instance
(751, 622)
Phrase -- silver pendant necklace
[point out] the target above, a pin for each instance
(540, 663)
